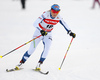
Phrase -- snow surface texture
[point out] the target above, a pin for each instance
(83, 59)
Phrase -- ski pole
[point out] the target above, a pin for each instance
(20, 46)
(65, 54)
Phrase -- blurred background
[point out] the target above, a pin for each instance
(16, 28)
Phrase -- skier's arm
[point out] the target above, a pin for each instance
(36, 24)
(63, 23)
(67, 28)
(38, 20)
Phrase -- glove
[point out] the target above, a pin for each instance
(72, 34)
(43, 33)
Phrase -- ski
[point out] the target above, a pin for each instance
(13, 69)
(16, 69)
(45, 73)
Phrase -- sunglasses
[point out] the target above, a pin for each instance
(54, 11)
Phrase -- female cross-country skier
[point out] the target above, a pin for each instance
(44, 26)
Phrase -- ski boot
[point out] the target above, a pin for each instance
(38, 68)
(19, 66)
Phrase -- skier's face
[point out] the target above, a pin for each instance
(54, 13)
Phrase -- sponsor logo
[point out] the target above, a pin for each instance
(56, 7)
(50, 21)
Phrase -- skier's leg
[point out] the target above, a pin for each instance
(99, 3)
(32, 48)
(47, 43)
(23, 4)
(93, 4)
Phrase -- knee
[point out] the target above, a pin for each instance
(26, 54)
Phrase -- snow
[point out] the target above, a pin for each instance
(83, 59)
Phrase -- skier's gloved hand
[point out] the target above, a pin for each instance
(43, 33)
(72, 34)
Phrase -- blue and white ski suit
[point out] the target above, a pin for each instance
(45, 22)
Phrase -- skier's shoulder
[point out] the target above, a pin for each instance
(45, 13)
